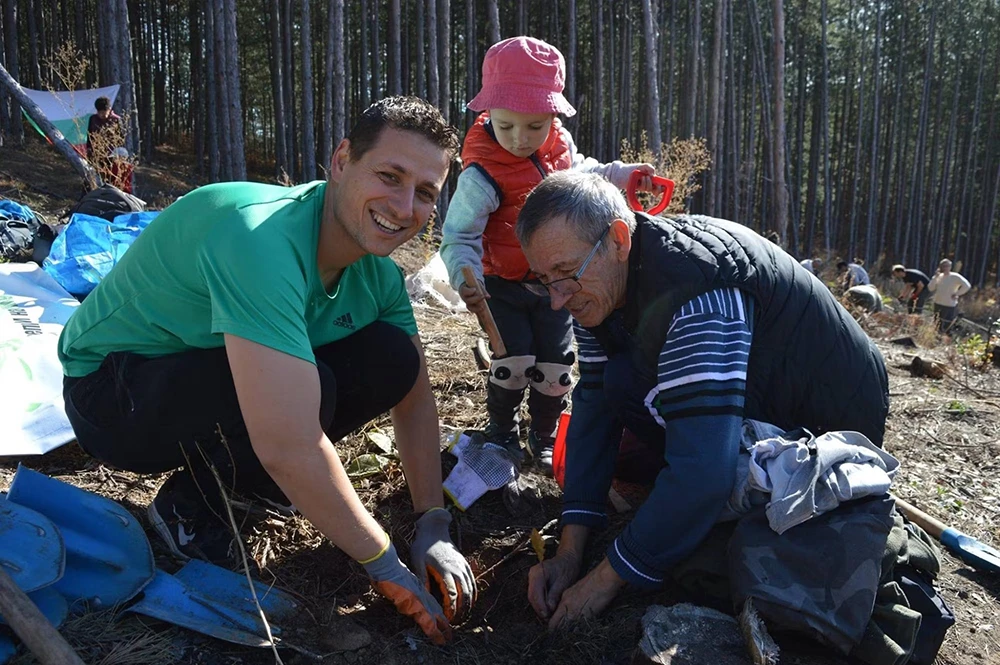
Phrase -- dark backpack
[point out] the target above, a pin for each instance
(106, 202)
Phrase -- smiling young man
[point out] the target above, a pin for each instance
(686, 326)
(270, 316)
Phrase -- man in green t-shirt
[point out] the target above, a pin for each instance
(250, 327)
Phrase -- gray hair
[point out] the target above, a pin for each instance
(589, 202)
(944, 262)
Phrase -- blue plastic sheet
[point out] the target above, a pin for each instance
(14, 210)
(89, 247)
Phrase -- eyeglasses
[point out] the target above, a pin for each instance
(566, 286)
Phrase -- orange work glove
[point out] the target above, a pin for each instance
(436, 559)
(391, 578)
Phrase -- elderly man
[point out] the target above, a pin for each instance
(947, 287)
(272, 315)
(685, 326)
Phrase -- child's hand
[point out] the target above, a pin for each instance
(645, 183)
(474, 301)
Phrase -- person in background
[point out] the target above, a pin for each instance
(947, 287)
(852, 274)
(915, 291)
(251, 327)
(516, 141)
(100, 122)
(812, 265)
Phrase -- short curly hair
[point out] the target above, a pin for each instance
(410, 114)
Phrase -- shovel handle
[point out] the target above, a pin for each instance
(32, 627)
(633, 200)
(486, 321)
(929, 524)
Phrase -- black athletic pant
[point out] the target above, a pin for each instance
(150, 415)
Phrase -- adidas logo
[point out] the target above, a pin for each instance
(344, 321)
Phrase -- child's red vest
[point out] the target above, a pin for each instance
(513, 178)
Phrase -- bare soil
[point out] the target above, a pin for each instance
(945, 432)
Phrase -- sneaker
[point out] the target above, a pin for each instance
(188, 526)
(510, 439)
(540, 447)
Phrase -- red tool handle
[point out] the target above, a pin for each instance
(668, 189)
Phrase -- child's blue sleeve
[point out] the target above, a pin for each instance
(470, 208)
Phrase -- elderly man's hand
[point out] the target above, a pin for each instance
(548, 579)
(588, 597)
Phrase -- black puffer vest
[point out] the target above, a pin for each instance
(811, 365)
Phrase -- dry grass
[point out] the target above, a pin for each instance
(681, 160)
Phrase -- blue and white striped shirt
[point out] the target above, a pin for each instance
(698, 399)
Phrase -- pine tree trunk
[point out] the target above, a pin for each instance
(714, 86)
(597, 105)
(671, 71)
(870, 252)
(277, 88)
(15, 131)
(376, 54)
(472, 65)
(963, 201)
(493, 11)
(778, 139)
(652, 83)
(237, 155)
(444, 52)
(308, 119)
(694, 60)
(336, 80)
(211, 94)
(571, 68)
(197, 85)
(433, 81)
(34, 70)
(825, 113)
(856, 171)
(421, 56)
(222, 94)
(914, 218)
(395, 58)
(288, 90)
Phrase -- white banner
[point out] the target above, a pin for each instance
(33, 311)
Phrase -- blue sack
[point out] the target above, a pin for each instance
(89, 247)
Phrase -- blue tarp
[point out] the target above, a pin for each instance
(84, 253)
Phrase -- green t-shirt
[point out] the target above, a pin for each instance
(236, 258)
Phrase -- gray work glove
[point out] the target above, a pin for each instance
(391, 578)
(436, 558)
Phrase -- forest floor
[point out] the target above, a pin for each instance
(945, 432)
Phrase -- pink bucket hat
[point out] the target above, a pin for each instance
(525, 75)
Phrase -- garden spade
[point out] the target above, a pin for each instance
(216, 602)
(109, 561)
(976, 554)
(108, 558)
(31, 549)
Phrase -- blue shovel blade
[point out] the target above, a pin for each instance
(31, 549)
(220, 605)
(7, 649)
(108, 558)
(50, 603)
(976, 554)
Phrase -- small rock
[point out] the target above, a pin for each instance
(686, 634)
(343, 634)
